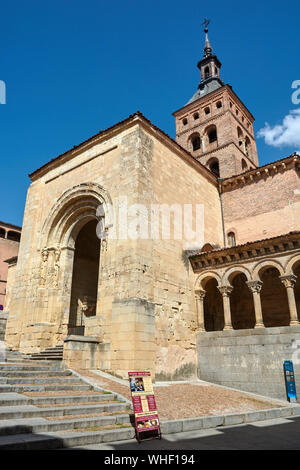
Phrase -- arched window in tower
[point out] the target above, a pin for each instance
(247, 146)
(213, 165)
(240, 136)
(219, 105)
(206, 72)
(212, 134)
(231, 239)
(244, 164)
(195, 141)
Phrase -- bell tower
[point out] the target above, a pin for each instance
(215, 126)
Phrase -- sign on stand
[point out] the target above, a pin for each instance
(147, 424)
(290, 383)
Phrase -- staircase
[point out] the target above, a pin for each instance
(44, 406)
(50, 354)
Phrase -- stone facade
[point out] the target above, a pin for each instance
(250, 360)
(9, 247)
(95, 273)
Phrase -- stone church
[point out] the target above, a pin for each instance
(119, 302)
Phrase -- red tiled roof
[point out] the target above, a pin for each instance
(198, 253)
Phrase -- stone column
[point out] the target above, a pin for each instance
(255, 287)
(203, 143)
(289, 282)
(200, 294)
(226, 291)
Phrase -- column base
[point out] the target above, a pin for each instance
(259, 325)
(294, 322)
(201, 330)
(227, 327)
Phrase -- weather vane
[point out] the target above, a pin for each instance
(205, 23)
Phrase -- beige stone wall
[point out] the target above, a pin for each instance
(146, 316)
(266, 207)
(176, 182)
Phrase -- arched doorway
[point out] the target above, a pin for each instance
(274, 302)
(241, 303)
(213, 307)
(84, 277)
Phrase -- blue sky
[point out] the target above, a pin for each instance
(72, 68)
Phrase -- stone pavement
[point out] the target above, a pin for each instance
(273, 434)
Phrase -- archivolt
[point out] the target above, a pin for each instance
(206, 276)
(72, 210)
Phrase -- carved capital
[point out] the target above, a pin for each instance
(225, 290)
(200, 294)
(288, 280)
(254, 286)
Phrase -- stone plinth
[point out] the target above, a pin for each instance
(250, 360)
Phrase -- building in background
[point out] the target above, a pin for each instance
(10, 236)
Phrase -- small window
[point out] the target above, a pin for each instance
(15, 236)
(213, 165)
(243, 118)
(207, 110)
(244, 165)
(216, 71)
(219, 104)
(231, 239)
(236, 112)
(2, 233)
(184, 121)
(230, 104)
(196, 116)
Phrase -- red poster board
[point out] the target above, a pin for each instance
(147, 424)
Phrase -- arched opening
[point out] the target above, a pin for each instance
(275, 309)
(84, 277)
(15, 236)
(247, 146)
(207, 110)
(206, 72)
(241, 303)
(196, 142)
(244, 164)
(212, 134)
(231, 239)
(240, 136)
(213, 165)
(2, 233)
(213, 307)
(219, 105)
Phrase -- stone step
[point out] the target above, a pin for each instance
(29, 367)
(46, 357)
(42, 425)
(31, 411)
(16, 399)
(59, 440)
(41, 388)
(38, 380)
(47, 373)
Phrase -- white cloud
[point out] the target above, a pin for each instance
(285, 134)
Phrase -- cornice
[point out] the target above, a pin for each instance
(249, 251)
(252, 176)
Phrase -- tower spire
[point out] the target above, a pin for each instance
(209, 67)
(207, 47)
